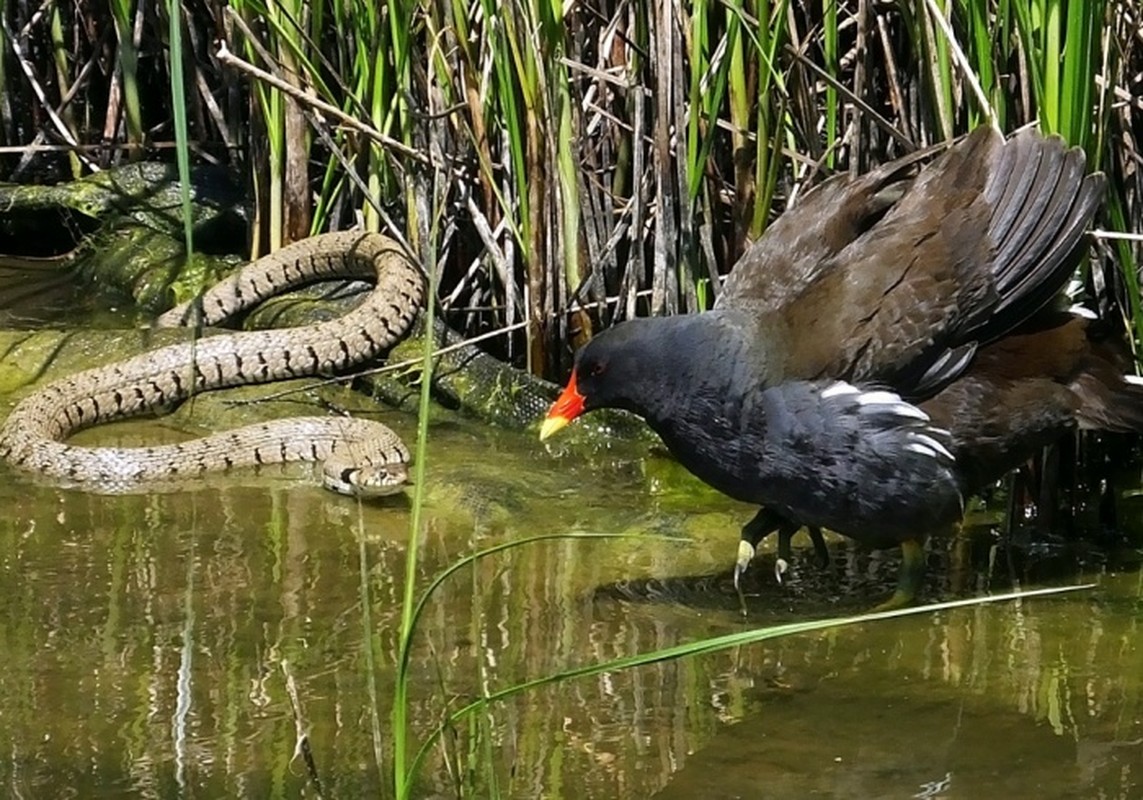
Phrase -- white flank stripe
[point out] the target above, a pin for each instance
(917, 447)
(892, 404)
(839, 388)
(932, 445)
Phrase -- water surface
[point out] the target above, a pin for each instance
(151, 642)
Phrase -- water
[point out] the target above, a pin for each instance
(150, 643)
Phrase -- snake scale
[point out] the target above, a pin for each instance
(359, 456)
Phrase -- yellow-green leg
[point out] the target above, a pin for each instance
(909, 577)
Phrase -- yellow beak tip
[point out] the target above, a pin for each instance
(552, 425)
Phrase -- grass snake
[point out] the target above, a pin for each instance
(358, 456)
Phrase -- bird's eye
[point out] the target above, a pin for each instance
(596, 368)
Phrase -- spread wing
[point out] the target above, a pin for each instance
(797, 247)
(983, 238)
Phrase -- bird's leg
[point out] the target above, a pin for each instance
(909, 577)
(785, 534)
(759, 527)
(785, 553)
(821, 552)
(754, 531)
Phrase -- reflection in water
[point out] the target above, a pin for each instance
(148, 640)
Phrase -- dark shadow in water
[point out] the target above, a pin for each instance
(977, 562)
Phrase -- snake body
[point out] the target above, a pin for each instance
(359, 456)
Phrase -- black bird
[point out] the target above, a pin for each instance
(887, 348)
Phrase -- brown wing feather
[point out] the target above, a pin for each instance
(982, 238)
(799, 245)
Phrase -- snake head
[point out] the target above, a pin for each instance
(368, 480)
(367, 460)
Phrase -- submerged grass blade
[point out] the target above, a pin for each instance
(712, 645)
(404, 780)
(369, 645)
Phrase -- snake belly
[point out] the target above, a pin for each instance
(358, 456)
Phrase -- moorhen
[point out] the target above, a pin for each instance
(887, 348)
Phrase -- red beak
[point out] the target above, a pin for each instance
(567, 407)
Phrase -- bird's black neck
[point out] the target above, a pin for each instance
(703, 398)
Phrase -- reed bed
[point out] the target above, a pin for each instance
(592, 161)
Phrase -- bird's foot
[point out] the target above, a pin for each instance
(900, 599)
(781, 566)
(745, 556)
